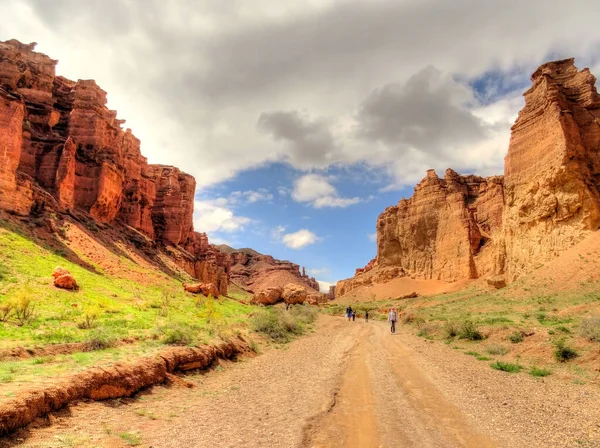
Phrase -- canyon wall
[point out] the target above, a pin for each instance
(62, 149)
(467, 227)
(254, 271)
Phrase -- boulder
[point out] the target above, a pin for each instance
(496, 281)
(294, 294)
(207, 289)
(269, 296)
(66, 281)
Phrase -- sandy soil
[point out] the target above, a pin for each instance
(399, 287)
(350, 384)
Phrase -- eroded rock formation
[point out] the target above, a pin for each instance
(62, 149)
(466, 227)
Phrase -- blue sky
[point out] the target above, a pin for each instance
(303, 120)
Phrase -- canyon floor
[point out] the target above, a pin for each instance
(347, 384)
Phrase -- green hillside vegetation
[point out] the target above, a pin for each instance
(117, 318)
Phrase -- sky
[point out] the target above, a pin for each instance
(303, 120)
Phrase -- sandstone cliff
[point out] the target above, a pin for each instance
(63, 150)
(466, 227)
(255, 272)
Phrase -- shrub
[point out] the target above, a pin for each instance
(469, 330)
(506, 367)
(100, 340)
(590, 328)
(5, 309)
(305, 314)
(427, 330)
(451, 329)
(536, 371)
(90, 315)
(24, 310)
(497, 349)
(515, 337)
(178, 333)
(278, 325)
(563, 353)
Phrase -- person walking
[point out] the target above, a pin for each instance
(349, 313)
(367, 316)
(392, 318)
(353, 316)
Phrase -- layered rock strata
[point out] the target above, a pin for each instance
(62, 149)
(466, 227)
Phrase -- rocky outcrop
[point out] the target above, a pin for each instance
(466, 227)
(253, 271)
(269, 296)
(552, 169)
(63, 150)
(294, 294)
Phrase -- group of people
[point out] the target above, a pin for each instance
(351, 314)
(392, 317)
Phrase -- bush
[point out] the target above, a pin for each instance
(506, 367)
(5, 309)
(102, 339)
(469, 330)
(497, 349)
(24, 310)
(178, 333)
(305, 314)
(536, 371)
(515, 337)
(451, 329)
(590, 328)
(90, 315)
(278, 325)
(563, 353)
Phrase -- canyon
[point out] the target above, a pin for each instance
(63, 152)
(463, 227)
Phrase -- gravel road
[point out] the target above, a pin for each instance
(349, 384)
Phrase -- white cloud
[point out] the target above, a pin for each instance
(316, 190)
(318, 271)
(372, 236)
(210, 217)
(201, 62)
(299, 239)
(277, 233)
(324, 286)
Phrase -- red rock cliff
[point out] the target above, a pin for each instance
(61, 148)
(464, 227)
(552, 169)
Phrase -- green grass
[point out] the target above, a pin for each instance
(131, 438)
(564, 353)
(506, 367)
(104, 311)
(536, 371)
(281, 325)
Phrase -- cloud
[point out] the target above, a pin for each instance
(314, 75)
(324, 286)
(209, 217)
(249, 196)
(299, 239)
(308, 142)
(277, 233)
(372, 236)
(318, 271)
(316, 190)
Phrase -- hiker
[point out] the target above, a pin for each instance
(353, 316)
(392, 318)
(349, 313)
(287, 306)
(367, 316)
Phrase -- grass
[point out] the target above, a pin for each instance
(469, 330)
(506, 367)
(150, 306)
(497, 349)
(538, 372)
(131, 438)
(515, 337)
(282, 326)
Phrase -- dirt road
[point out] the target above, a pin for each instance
(349, 384)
